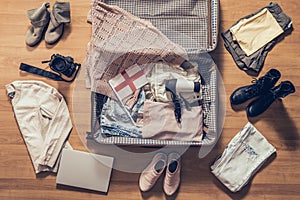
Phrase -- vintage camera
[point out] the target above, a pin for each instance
(63, 65)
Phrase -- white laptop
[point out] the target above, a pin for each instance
(84, 170)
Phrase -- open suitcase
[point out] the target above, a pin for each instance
(194, 26)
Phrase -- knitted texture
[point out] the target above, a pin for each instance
(120, 40)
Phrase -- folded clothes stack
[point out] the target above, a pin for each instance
(242, 158)
(251, 38)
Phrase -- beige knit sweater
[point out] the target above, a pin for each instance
(120, 40)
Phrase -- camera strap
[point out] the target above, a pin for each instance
(42, 72)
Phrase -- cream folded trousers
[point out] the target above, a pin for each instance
(255, 32)
(44, 121)
(242, 158)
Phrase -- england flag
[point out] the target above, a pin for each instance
(128, 81)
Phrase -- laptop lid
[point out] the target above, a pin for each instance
(84, 170)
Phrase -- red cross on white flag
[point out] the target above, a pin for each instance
(128, 81)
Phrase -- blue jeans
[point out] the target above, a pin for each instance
(114, 120)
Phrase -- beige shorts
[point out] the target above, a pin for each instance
(44, 121)
(242, 158)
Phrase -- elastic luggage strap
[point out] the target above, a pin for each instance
(44, 73)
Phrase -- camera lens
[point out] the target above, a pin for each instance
(59, 64)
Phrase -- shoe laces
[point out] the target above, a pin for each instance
(257, 86)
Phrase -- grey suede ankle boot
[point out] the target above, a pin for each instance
(39, 18)
(59, 16)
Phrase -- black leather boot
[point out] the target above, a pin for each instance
(261, 104)
(262, 85)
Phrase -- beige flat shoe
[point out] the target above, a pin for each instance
(59, 16)
(39, 18)
(152, 172)
(172, 178)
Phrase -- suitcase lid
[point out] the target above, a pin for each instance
(189, 23)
